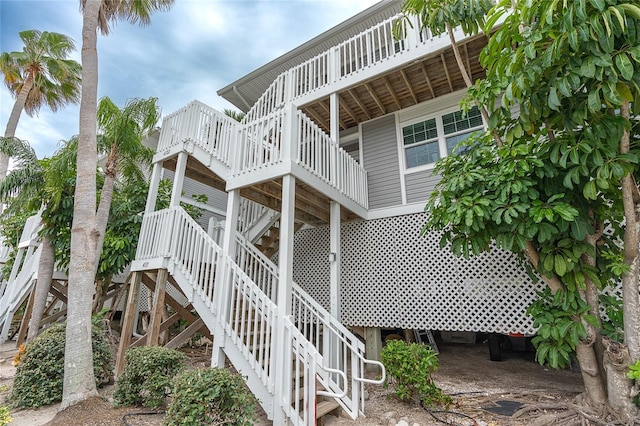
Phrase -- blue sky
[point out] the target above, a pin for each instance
(188, 53)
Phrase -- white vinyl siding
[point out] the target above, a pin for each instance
(381, 162)
(419, 186)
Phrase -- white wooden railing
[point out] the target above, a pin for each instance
(340, 348)
(248, 317)
(257, 266)
(249, 213)
(322, 156)
(247, 311)
(272, 99)
(260, 143)
(201, 125)
(372, 46)
(324, 331)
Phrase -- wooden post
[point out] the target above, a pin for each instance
(158, 308)
(24, 323)
(373, 346)
(128, 321)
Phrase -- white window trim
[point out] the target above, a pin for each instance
(442, 138)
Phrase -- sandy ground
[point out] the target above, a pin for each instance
(466, 372)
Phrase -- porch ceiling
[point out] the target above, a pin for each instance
(428, 78)
(311, 206)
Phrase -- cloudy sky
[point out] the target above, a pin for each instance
(187, 53)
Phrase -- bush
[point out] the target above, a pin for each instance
(39, 374)
(148, 371)
(409, 368)
(5, 416)
(210, 396)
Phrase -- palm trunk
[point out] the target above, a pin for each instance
(12, 124)
(45, 274)
(79, 379)
(102, 217)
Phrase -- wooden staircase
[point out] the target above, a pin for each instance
(294, 174)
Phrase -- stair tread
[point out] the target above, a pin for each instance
(325, 407)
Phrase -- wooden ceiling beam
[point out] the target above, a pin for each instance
(305, 211)
(344, 105)
(446, 72)
(364, 109)
(468, 61)
(317, 117)
(426, 77)
(373, 95)
(327, 108)
(392, 92)
(406, 82)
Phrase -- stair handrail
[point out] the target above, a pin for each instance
(319, 314)
(250, 212)
(257, 266)
(195, 252)
(272, 99)
(375, 44)
(339, 372)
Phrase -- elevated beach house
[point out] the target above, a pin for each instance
(312, 228)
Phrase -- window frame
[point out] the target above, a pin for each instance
(441, 138)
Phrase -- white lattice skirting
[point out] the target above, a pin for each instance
(393, 277)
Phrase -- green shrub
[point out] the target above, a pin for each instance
(409, 368)
(210, 396)
(39, 375)
(148, 371)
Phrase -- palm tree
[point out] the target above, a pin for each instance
(39, 75)
(121, 134)
(79, 379)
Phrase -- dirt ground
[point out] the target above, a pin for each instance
(485, 393)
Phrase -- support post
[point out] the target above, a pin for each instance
(335, 350)
(178, 179)
(372, 346)
(222, 287)
(128, 321)
(24, 323)
(154, 185)
(282, 353)
(158, 308)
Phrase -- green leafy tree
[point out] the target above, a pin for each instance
(85, 232)
(41, 74)
(566, 172)
(34, 185)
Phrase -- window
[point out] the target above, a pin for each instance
(427, 141)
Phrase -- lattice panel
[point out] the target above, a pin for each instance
(393, 277)
(146, 297)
